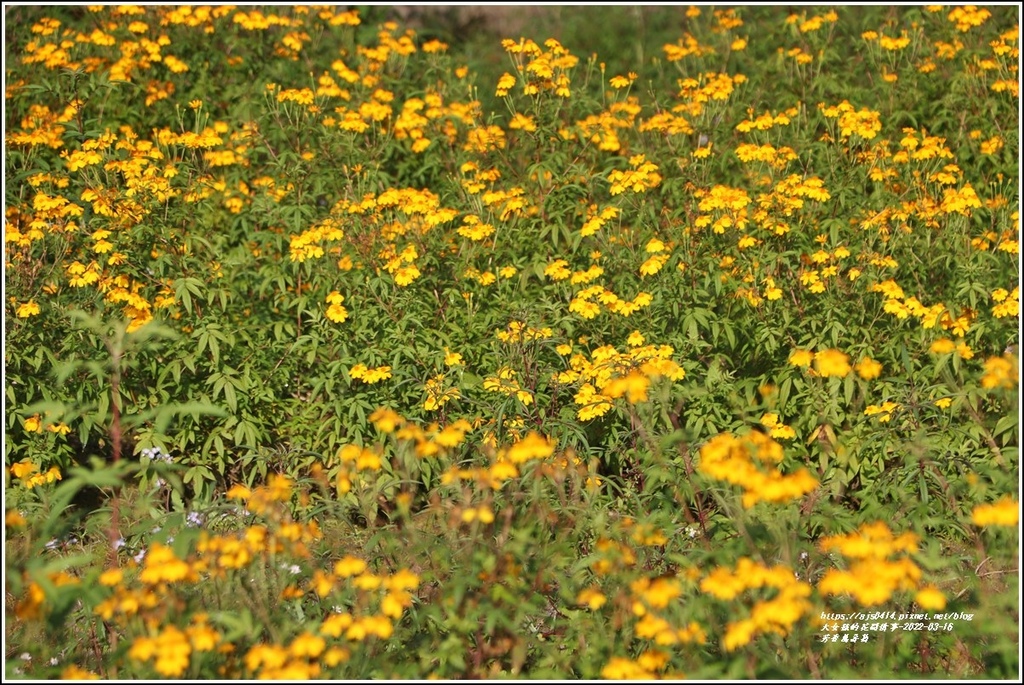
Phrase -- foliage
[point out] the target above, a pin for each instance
(327, 355)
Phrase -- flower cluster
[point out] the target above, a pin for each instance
(748, 461)
(776, 615)
(872, 577)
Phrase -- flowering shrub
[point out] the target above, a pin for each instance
(329, 356)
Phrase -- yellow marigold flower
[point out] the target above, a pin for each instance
(634, 386)
(618, 82)
(558, 270)
(657, 593)
(173, 652)
(162, 566)
(23, 468)
(111, 577)
(942, 346)
(801, 358)
(335, 624)
(522, 122)
(28, 309)
(386, 420)
(307, 645)
(505, 83)
(368, 460)
(268, 656)
(33, 424)
(434, 45)
(944, 402)
(620, 668)
(930, 598)
(654, 245)
(238, 491)
(406, 275)
(336, 655)
(1000, 372)
(585, 308)
(14, 519)
(653, 264)
(73, 672)
(868, 368)
(337, 313)
(533, 446)
(349, 566)
(782, 432)
(1005, 512)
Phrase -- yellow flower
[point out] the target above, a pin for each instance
(111, 577)
(172, 652)
(592, 597)
(307, 645)
(868, 368)
(1000, 372)
(942, 346)
(558, 270)
(349, 566)
(406, 275)
(1005, 512)
(336, 312)
(238, 491)
(14, 519)
(930, 598)
(533, 446)
(944, 402)
(801, 358)
(335, 624)
(73, 672)
(619, 668)
(386, 420)
(28, 309)
(522, 122)
(23, 468)
(505, 83)
(782, 432)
